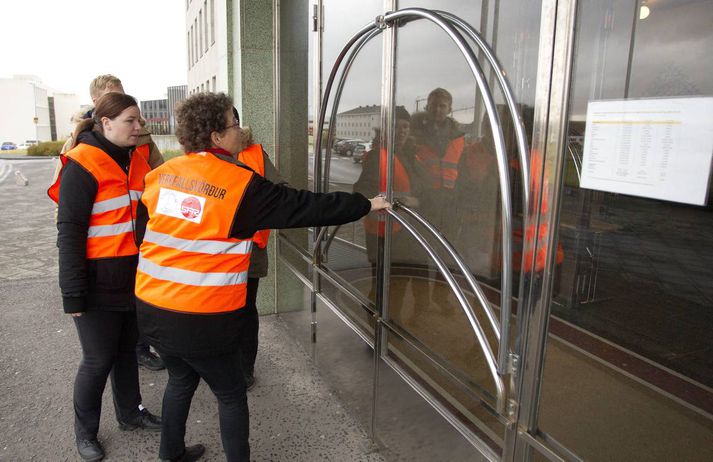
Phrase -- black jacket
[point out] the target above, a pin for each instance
(98, 284)
(265, 205)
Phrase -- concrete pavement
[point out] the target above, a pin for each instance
(294, 414)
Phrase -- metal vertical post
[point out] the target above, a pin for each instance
(317, 167)
(549, 139)
(383, 259)
(276, 125)
(632, 44)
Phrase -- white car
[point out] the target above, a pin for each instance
(27, 144)
(359, 150)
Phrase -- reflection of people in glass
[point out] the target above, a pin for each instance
(408, 180)
(439, 147)
(479, 179)
(439, 140)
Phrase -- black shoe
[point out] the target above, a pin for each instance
(150, 361)
(249, 382)
(145, 420)
(90, 450)
(190, 454)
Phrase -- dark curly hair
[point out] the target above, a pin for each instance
(199, 116)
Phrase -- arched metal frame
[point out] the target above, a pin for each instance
(548, 137)
(449, 24)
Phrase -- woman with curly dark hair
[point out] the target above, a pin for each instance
(203, 210)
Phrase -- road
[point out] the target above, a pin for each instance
(342, 171)
(294, 416)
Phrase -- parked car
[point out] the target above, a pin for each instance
(346, 147)
(24, 146)
(8, 146)
(359, 150)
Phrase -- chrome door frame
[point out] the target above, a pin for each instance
(549, 134)
(555, 56)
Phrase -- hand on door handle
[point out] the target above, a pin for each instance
(379, 203)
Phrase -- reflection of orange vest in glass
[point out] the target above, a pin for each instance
(530, 232)
(111, 224)
(443, 170)
(402, 184)
(253, 157)
(188, 261)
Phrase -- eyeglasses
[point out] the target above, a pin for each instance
(236, 124)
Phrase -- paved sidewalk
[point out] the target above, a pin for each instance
(294, 415)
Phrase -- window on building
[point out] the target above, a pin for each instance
(200, 33)
(207, 85)
(214, 84)
(205, 24)
(202, 88)
(188, 49)
(212, 22)
(195, 39)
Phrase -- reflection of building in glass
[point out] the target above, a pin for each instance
(359, 122)
(207, 40)
(175, 94)
(156, 114)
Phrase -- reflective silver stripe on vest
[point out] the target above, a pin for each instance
(110, 230)
(115, 202)
(110, 204)
(191, 278)
(446, 164)
(209, 247)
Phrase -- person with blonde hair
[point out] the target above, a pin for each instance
(98, 87)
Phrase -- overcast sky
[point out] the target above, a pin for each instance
(67, 43)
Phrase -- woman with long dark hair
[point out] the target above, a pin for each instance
(97, 192)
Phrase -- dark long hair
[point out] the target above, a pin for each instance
(110, 105)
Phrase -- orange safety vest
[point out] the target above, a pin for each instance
(443, 170)
(253, 157)
(530, 231)
(111, 224)
(188, 262)
(402, 184)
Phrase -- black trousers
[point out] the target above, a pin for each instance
(142, 347)
(251, 326)
(225, 379)
(108, 340)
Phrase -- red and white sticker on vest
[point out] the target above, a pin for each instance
(180, 205)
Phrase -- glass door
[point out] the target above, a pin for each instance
(446, 142)
(446, 170)
(627, 370)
